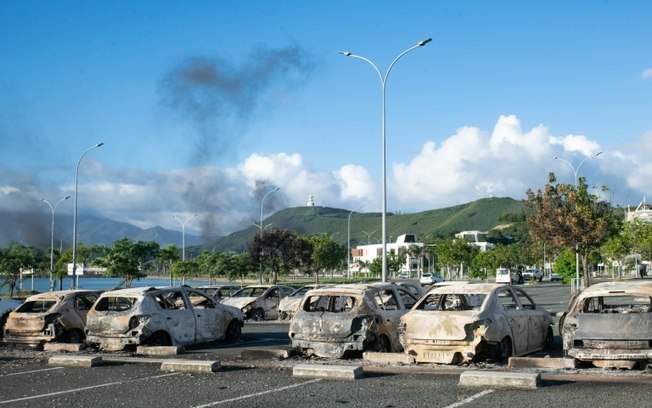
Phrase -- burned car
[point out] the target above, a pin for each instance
(288, 305)
(610, 325)
(50, 316)
(219, 292)
(335, 321)
(259, 302)
(6, 306)
(174, 316)
(458, 324)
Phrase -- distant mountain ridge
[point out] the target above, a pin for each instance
(483, 214)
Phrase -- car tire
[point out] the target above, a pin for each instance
(382, 344)
(160, 339)
(233, 331)
(259, 314)
(3, 320)
(74, 336)
(550, 338)
(504, 350)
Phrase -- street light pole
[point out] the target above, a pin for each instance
(75, 279)
(183, 233)
(577, 252)
(577, 169)
(183, 238)
(369, 234)
(383, 83)
(53, 208)
(260, 264)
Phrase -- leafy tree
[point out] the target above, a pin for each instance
(276, 251)
(394, 264)
(167, 256)
(452, 253)
(565, 265)
(568, 215)
(326, 254)
(127, 259)
(14, 259)
(185, 268)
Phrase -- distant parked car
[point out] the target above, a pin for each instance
(288, 305)
(555, 277)
(6, 306)
(505, 275)
(50, 316)
(458, 324)
(430, 278)
(219, 292)
(259, 302)
(160, 317)
(532, 274)
(609, 324)
(335, 321)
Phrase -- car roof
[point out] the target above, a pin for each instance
(467, 288)
(619, 287)
(60, 293)
(353, 288)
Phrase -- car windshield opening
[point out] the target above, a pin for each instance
(329, 303)
(452, 301)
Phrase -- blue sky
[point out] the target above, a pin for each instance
(204, 106)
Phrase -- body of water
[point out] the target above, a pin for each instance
(43, 284)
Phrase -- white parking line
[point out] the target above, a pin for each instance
(470, 399)
(212, 404)
(83, 389)
(31, 371)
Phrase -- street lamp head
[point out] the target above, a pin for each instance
(345, 53)
(424, 42)
(598, 154)
(100, 144)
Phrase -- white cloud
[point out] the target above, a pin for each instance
(647, 73)
(467, 165)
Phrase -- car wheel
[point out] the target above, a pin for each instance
(233, 331)
(3, 320)
(382, 344)
(259, 315)
(504, 351)
(74, 336)
(550, 338)
(160, 338)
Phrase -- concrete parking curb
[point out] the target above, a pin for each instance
(260, 353)
(387, 358)
(71, 347)
(159, 350)
(76, 361)
(191, 366)
(546, 362)
(494, 379)
(328, 371)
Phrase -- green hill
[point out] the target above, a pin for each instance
(484, 215)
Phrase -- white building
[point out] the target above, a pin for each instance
(643, 212)
(365, 254)
(476, 238)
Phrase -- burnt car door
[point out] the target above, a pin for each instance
(271, 300)
(538, 321)
(516, 317)
(209, 319)
(391, 307)
(179, 316)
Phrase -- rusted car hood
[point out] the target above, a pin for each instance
(622, 326)
(438, 325)
(239, 302)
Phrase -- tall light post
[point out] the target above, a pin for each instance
(369, 234)
(262, 228)
(53, 208)
(75, 279)
(348, 245)
(183, 233)
(383, 83)
(577, 247)
(577, 169)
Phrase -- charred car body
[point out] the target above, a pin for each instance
(334, 321)
(259, 302)
(50, 316)
(610, 325)
(162, 317)
(458, 324)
